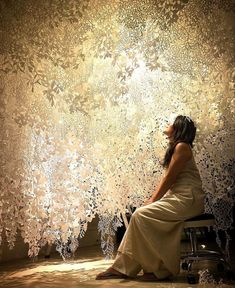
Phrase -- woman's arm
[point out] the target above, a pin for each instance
(181, 155)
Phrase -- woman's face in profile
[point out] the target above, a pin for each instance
(169, 131)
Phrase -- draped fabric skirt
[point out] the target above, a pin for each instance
(152, 239)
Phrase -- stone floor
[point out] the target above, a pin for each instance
(81, 272)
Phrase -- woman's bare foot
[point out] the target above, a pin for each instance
(110, 273)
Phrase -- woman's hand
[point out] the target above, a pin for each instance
(148, 201)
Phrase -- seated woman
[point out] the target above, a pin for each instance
(152, 239)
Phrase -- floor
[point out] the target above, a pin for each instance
(81, 271)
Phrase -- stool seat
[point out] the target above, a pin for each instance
(202, 220)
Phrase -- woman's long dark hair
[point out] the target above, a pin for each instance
(184, 131)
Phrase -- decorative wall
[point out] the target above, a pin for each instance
(86, 88)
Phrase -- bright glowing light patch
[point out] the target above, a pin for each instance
(63, 267)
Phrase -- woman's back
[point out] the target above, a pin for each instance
(189, 182)
(189, 176)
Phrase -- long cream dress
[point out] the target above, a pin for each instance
(152, 239)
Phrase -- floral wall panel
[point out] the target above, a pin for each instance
(86, 90)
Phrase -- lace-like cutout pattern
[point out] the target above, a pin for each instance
(86, 89)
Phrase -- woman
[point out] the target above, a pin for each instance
(152, 239)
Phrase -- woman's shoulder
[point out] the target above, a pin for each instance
(183, 145)
(183, 148)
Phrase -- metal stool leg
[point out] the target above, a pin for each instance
(193, 240)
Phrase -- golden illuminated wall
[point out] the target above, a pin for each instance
(86, 89)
